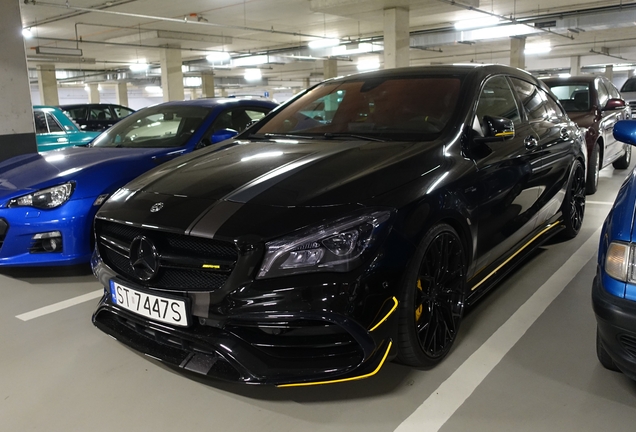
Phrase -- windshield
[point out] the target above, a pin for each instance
(158, 126)
(629, 86)
(575, 97)
(375, 108)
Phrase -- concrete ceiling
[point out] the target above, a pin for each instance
(114, 34)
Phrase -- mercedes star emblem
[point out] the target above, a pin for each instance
(156, 207)
(144, 258)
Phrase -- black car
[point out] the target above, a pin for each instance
(595, 105)
(96, 117)
(349, 227)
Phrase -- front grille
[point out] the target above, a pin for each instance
(629, 344)
(181, 257)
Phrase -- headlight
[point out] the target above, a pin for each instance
(619, 262)
(335, 247)
(46, 198)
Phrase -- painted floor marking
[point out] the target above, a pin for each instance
(600, 202)
(61, 305)
(452, 393)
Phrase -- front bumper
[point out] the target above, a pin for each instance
(616, 321)
(291, 336)
(73, 220)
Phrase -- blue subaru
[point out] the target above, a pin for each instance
(48, 201)
(614, 287)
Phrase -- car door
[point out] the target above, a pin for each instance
(49, 134)
(614, 149)
(556, 137)
(506, 175)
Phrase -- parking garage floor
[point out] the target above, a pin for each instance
(525, 361)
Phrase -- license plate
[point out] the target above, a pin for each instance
(158, 308)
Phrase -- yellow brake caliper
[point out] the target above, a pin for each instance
(418, 311)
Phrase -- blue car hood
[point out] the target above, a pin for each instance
(93, 169)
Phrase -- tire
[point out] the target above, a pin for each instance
(573, 207)
(624, 161)
(594, 167)
(432, 298)
(603, 357)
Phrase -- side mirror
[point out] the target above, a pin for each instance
(497, 129)
(625, 131)
(222, 135)
(614, 104)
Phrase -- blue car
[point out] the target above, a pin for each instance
(48, 201)
(614, 287)
(54, 130)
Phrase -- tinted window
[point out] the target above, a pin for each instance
(77, 113)
(400, 108)
(629, 86)
(53, 125)
(496, 99)
(575, 97)
(102, 113)
(160, 126)
(237, 119)
(40, 122)
(532, 100)
(122, 112)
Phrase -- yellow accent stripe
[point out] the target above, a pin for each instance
(515, 254)
(507, 133)
(343, 379)
(211, 266)
(386, 317)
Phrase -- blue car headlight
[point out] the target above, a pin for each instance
(334, 247)
(620, 262)
(45, 198)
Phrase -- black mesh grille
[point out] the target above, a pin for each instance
(179, 276)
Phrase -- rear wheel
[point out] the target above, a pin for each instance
(432, 298)
(594, 167)
(573, 206)
(623, 161)
(603, 357)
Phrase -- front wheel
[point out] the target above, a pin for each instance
(593, 169)
(623, 161)
(573, 206)
(432, 298)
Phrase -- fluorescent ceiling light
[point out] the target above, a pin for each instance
(218, 56)
(139, 66)
(476, 23)
(360, 48)
(538, 48)
(192, 81)
(499, 32)
(253, 75)
(58, 51)
(250, 61)
(565, 75)
(368, 64)
(323, 43)
(26, 32)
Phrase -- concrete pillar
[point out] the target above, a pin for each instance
(609, 72)
(517, 55)
(48, 85)
(171, 75)
(93, 93)
(396, 38)
(306, 83)
(630, 73)
(122, 93)
(575, 65)
(207, 85)
(223, 92)
(330, 66)
(16, 122)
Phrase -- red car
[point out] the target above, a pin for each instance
(595, 104)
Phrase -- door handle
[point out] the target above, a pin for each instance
(530, 142)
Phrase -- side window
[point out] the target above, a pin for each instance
(496, 99)
(532, 100)
(40, 122)
(613, 91)
(237, 119)
(552, 107)
(77, 113)
(603, 94)
(53, 125)
(121, 112)
(100, 114)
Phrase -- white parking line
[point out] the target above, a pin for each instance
(600, 202)
(61, 305)
(452, 393)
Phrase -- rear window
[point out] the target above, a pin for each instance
(629, 86)
(574, 97)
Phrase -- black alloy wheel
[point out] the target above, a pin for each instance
(624, 161)
(573, 207)
(432, 298)
(594, 167)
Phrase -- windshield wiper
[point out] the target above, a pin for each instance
(330, 135)
(284, 135)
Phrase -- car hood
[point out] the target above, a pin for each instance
(260, 184)
(26, 173)
(583, 119)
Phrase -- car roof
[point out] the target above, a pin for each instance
(214, 102)
(577, 78)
